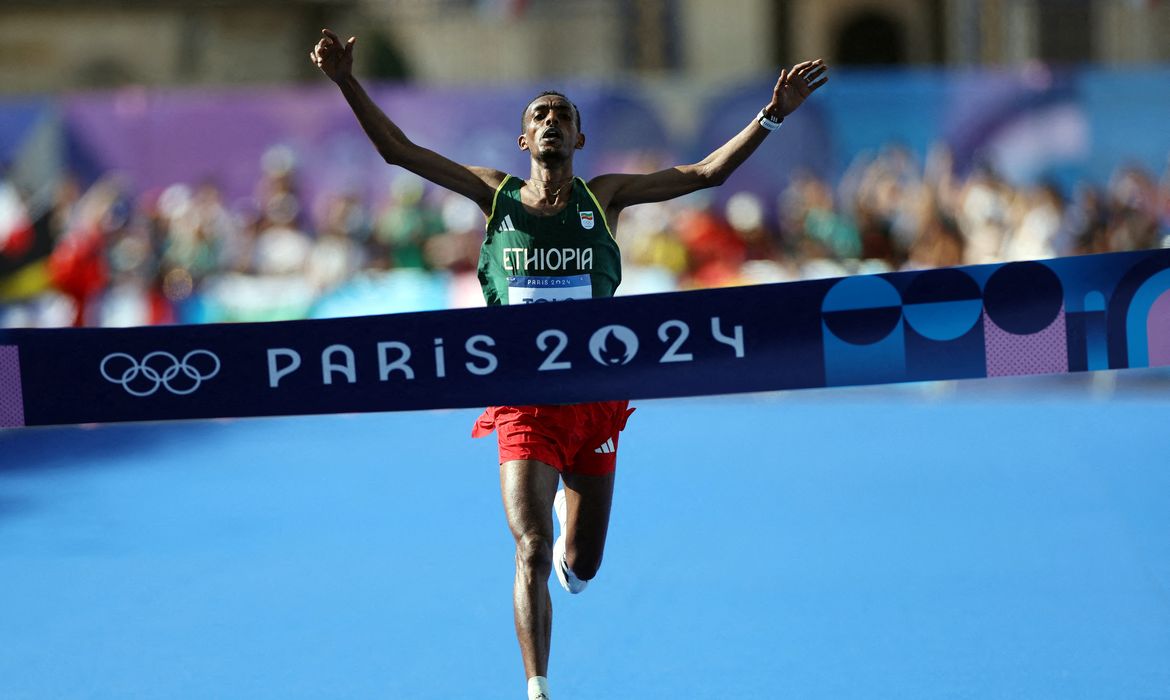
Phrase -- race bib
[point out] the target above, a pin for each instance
(532, 290)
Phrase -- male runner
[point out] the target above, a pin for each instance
(565, 229)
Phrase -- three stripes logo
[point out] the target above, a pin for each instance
(606, 448)
(506, 223)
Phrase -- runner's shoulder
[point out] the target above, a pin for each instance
(489, 176)
(604, 187)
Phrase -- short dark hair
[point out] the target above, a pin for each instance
(552, 93)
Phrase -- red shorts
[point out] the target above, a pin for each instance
(577, 438)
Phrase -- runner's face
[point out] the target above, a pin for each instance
(549, 128)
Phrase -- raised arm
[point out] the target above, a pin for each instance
(615, 192)
(336, 61)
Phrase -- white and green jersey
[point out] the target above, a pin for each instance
(527, 258)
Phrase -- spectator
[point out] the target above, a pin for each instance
(180, 255)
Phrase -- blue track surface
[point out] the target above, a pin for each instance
(808, 545)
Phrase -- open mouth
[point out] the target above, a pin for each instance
(551, 134)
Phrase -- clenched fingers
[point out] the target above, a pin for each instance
(331, 37)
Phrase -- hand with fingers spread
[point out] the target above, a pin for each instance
(333, 58)
(794, 85)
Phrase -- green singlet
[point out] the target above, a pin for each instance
(526, 258)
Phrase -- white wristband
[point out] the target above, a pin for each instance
(767, 122)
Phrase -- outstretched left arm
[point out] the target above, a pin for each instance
(615, 192)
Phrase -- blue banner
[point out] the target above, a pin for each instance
(1077, 314)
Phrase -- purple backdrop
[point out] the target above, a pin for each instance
(1030, 124)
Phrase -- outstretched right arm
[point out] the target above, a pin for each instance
(336, 61)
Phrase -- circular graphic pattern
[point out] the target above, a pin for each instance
(160, 369)
(862, 310)
(1023, 298)
(942, 305)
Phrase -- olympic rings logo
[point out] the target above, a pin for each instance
(160, 369)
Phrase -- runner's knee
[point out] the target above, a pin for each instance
(584, 564)
(534, 551)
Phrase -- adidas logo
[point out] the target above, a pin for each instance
(506, 223)
(606, 447)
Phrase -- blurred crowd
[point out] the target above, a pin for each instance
(116, 257)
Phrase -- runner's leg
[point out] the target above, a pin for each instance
(588, 500)
(528, 487)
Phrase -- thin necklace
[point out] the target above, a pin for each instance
(557, 192)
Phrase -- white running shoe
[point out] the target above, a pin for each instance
(568, 581)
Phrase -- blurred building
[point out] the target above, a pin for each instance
(710, 41)
(975, 32)
(56, 45)
(53, 45)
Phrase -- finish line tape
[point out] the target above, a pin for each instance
(1093, 312)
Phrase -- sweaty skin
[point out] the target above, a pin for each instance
(551, 137)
